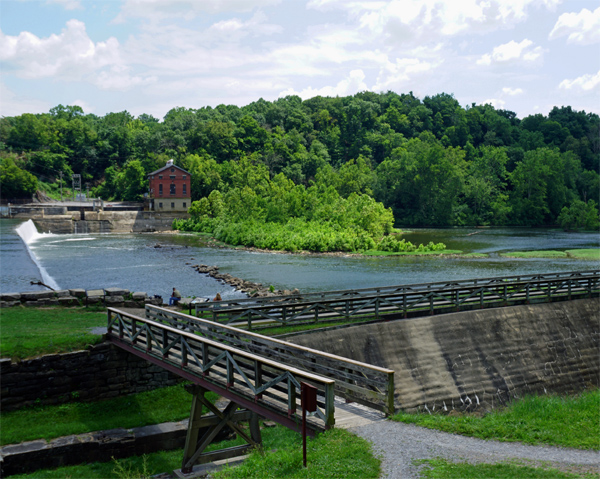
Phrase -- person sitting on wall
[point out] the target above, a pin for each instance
(175, 298)
(218, 297)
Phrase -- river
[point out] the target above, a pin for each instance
(154, 263)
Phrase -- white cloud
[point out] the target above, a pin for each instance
(583, 83)
(429, 20)
(495, 102)
(85, 106)
(157, 10)
(395, 75)
(350, 85)
(512, 91)
(69, 55)
(512, 51)
(581, 28)
(67, 4)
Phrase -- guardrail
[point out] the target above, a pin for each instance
(366, 384)
(208, 306)
(263, 385)
(404, 301)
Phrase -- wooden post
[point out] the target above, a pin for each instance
(191, 439)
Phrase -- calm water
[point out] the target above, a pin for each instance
(132, 261)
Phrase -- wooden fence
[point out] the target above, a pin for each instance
(366, 384)
(403, 301)
(263, 385)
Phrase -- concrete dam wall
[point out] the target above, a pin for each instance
(478, 359)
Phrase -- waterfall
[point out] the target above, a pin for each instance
(29, 234)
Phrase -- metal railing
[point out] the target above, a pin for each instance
(266, 386)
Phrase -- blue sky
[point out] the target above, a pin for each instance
(148, 56)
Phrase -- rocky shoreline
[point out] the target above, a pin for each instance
(253, 290)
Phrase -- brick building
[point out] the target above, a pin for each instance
(169, 188)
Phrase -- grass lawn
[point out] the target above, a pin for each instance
(31, 332)
(593, 253)
(535, 254)
(335, 453)
(552, 420)
(142, 409)
(442, 469)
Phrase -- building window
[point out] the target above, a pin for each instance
(184, 177)
(172, 170)
(160, 177)
(160, 205)
(184, 190)
(173, 191)
(172, 205)
(184, 204)
(160, 189)
(172, 177)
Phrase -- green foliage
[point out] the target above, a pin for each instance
(15, 182)
(552, 420)
(432, 161)
(579, 215)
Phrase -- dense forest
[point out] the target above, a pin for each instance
(358, 158)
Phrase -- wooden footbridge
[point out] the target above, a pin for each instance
(404, 301)
(263, 376)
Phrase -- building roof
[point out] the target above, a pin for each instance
(169, 166)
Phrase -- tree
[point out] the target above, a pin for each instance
(15, 182)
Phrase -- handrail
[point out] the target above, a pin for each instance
(361, 382)
(406, 300)
(308, 297)
(269, 387)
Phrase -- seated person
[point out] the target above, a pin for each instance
(175, 298)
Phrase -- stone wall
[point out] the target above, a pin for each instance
(103, 371)
(478, 359)
(113, 297)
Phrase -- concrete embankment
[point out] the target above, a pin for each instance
(478, 359)
(61, 220)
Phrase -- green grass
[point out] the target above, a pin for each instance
(592, 253)
(535, 254)
(552, 420)
(142, 409)
(412, 253)
(442, 469)
(31, 332)
(335, 453)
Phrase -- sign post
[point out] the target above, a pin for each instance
(308, 397)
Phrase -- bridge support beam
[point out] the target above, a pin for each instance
(215, 421)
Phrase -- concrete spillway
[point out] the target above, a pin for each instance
(478, 359)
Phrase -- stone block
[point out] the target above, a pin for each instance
(116, 292)
(10, 297)
(62, 293)
(95, 292)
(36, 295)
(33, 304)
(68, 301)
(139, 296)
(94, 299)
(113, 300)
(78, 293)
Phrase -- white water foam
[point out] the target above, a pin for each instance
(29, 234)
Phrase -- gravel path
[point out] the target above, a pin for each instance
(400, 444)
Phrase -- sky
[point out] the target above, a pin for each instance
(149, 56)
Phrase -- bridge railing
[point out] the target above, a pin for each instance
(269, 387)
(366, 384)
(386, 290)
(409, 300)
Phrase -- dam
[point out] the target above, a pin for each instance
(478, 359)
